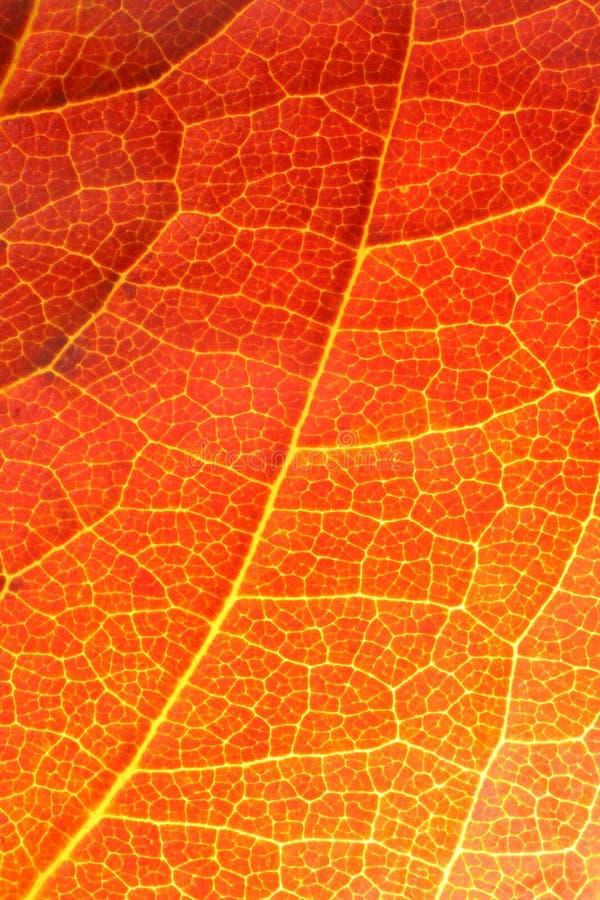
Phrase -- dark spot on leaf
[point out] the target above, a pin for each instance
(68, 360)
(49, 350)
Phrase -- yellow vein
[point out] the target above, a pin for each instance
(502, 739)
(20, 46)
(104, 805)
(151, 84)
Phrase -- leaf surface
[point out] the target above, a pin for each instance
(300, 450)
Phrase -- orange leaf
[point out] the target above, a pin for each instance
(299, 450)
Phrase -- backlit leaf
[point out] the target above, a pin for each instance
(299, 449)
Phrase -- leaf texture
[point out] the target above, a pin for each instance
(300, 449)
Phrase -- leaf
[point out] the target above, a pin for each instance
(300, 450)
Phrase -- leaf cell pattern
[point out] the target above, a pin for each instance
(299, 450)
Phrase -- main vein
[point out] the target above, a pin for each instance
(100, 811)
